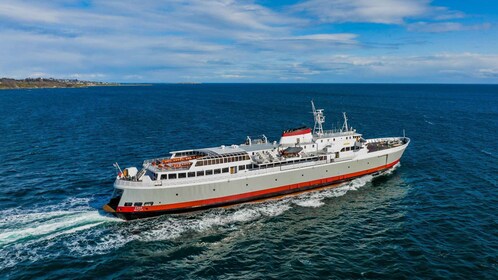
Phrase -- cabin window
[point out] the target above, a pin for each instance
(182, 175)
(128, 204)
(191, 174)
(138, 204)
(164, 176)
(242, 167)
(217, 171)
(209, 172)
(249, 166)
(218, 161)
(199, 163)
(225, 160)
(150, 203)
(322, 141)
(172, 176)
(225, 170)
(200, 173)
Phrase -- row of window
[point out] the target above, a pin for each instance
(353, 148)
(189, 153)
(182, 175)
(221, 160)
(276, 164)
(348, 137)
(139, 204)
(201, 173)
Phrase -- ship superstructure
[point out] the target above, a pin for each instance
(303, 159)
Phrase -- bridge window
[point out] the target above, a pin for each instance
(138, 204)
(128, 204)
(148, 203)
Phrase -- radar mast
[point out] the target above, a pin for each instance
(319, 119)
(345, 125)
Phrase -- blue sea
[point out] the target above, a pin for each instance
(433, 216)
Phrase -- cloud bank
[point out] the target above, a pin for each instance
(240, 41)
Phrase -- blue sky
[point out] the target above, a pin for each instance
(393, 41)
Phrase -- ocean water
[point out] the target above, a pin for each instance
(433, 216)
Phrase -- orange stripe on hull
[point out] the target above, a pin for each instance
(233, 199)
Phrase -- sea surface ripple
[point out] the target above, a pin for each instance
(433, 216)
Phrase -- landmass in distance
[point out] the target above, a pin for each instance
(9, 83)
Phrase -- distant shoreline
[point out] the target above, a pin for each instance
(41, 83)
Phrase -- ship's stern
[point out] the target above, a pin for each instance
(113, 203)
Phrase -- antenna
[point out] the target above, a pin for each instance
(319, 119)
(345, 125)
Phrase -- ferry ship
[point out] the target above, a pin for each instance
(303, 159)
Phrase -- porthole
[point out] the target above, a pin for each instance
(176, 194)
(214, 190)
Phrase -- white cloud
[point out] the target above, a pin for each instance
(169, 41)
(438, 27)
(473, 66)
(27, 12)
(372, 11)
(344, 38)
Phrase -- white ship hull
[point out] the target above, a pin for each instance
(191, 194)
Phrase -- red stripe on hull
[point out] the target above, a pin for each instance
(297, 132)
(234, 199)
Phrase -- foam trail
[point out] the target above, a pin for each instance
(315, 199)
(42, 223)
(57, 224)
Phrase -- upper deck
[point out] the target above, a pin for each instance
(296, 146)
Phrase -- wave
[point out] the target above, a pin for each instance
(487, 153)
(77, 229)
